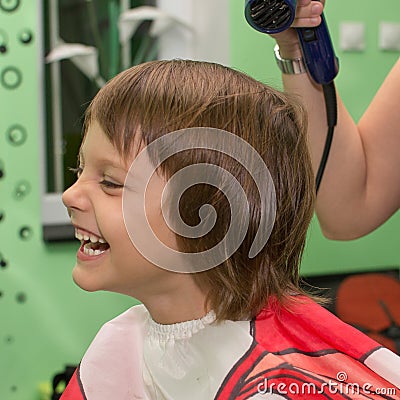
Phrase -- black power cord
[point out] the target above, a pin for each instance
(331, 117)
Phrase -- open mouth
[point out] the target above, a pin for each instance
(91, 245)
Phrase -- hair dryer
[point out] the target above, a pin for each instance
(274, 16)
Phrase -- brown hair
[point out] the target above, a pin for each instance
(158, 97)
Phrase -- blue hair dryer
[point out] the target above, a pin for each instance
(274, 16)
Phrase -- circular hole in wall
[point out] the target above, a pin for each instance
(3, 41)
(11, 77)
(21, 298)
(16, 134)
(25, 36)
(25, 232)
(9, 5)
(3, 262)
(9, 339)
(22, 189)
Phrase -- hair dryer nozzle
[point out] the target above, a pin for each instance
(270, 16)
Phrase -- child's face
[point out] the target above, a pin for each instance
(95, 206)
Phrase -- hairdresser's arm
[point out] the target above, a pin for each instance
(360, 188)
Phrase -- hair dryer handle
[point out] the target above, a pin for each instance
(319, 55)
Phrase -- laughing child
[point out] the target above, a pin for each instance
(177, 156)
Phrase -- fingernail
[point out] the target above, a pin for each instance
(316, 9)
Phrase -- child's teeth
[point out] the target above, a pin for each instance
(93, 239)
(85, 237)
(90, 252)
(79, 236)
(102, 240)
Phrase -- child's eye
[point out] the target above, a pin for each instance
(105, 183)
(110, 185)
(77, 171)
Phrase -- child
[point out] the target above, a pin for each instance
(239, 328)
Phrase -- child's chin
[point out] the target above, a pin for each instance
(84, 281)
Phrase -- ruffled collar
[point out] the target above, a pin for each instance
(180, 330)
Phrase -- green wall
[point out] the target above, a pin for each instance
(46, 321)
(360, 76)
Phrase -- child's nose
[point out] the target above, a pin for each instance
(74, 198)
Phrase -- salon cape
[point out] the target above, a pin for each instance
(301, 353)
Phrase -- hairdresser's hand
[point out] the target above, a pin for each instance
(308, 14)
